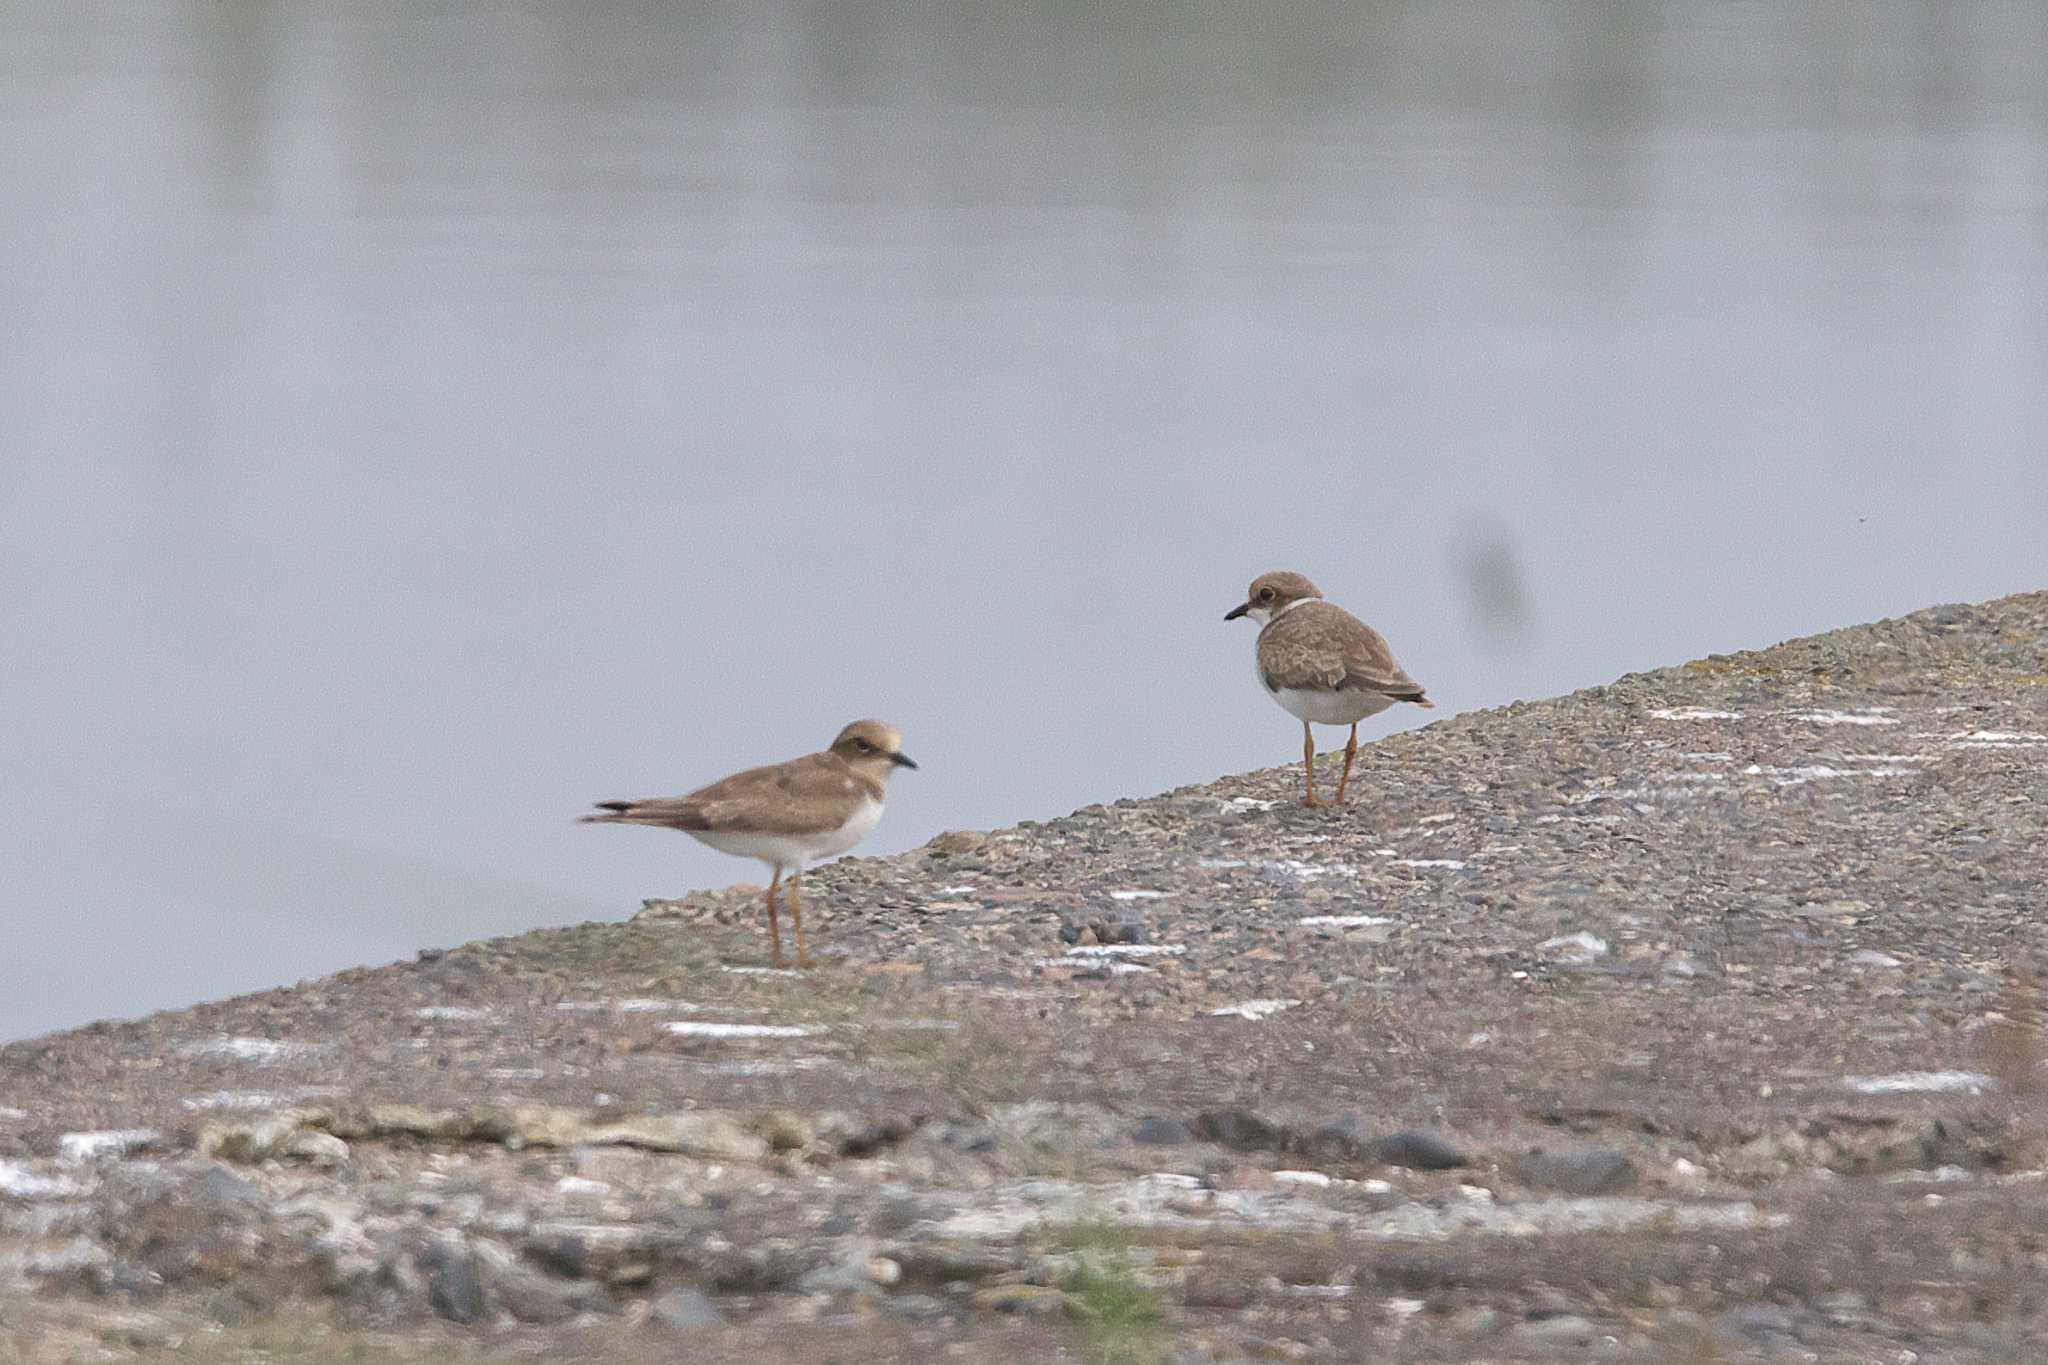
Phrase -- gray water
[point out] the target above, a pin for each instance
(419, 421)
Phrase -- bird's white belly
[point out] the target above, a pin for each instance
(789, 852)
(1325, 707)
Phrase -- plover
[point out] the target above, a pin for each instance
(1322, 664)
(786, 814)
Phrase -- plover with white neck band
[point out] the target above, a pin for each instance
(1322, 664)
(786, 815)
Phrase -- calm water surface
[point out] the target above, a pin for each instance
(416, 422)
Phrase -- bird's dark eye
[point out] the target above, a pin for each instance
(862, 745)
(1265, 594)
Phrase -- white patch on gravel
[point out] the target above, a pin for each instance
(1139, 895)
(1011, 1210)
(1128, 950)
(1319, 1179)
(1692, 713)
(9, 1115)
(20, 1182)
(1251, 1009)
(1921, 1083)
(1871, 957)
(77, 1148)
(1454, 864)
(633, 1005)
(918, 1025)
(260, 1050)
(516, 1073)
(1870, 716)
(1248, 803)
(256, 1099)
(1343, 921)
(1575, 950)
(761, 971)
(1221, 862)
(1814, 772)
(780, 1067)
(699, 1028)
(457, 1012)
(1709, 756)
(1101, 965)
(1996, 739)
(960, 890)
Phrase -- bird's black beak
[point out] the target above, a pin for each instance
(1237, 611)
(901, 761)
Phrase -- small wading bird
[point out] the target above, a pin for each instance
(1322, 664)
(787, 814)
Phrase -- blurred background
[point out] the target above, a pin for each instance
(419, 421)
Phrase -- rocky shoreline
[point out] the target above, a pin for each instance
(1690, 1018)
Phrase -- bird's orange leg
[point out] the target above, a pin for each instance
(1350, 753)
(796, 915)
(1308, 766)
(774, 925)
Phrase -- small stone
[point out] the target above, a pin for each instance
(1155, 1131)
(223, 1186)
(1238, 1129)
(685, 1309)
(1557, 1329)
(318, 1148)
(1870, 957)
(1598, 1171)
(914, 1307)
(1023, 1300)
(452, 1286)
(1476, 1321)
(1757, 1321)
(1419, 1149)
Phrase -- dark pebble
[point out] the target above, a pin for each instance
(1161, 1132)
(915, 1308)
(1419, 1149)
(452, 1286)
(1598, 1171)
(223, 1186)
(1238, 1129)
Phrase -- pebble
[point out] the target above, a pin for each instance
(1156, 1131)
(1419, 1149)
(1023, 1300)
(684, 1309)
(1597, 1171)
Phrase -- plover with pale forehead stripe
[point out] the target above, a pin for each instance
(787, 814)
(1322, 664)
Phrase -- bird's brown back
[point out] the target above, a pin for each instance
(807, 795)
(1319, 646)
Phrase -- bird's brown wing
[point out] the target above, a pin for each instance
(803, 796)
(1317, 645)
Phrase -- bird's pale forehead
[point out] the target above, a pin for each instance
(874, 732)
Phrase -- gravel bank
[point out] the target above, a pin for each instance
(1686, 1018)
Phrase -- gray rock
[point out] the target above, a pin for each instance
(1238, 1129)
(1155, 1131)
(541, 1299)
(1339, 1139)
(223, 1186)
(1758, 1321)
(1595, 1171)
(1419, 1149)
(685, 1309)
(452, 1284)
(915, 1308)
(1559, 1329)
